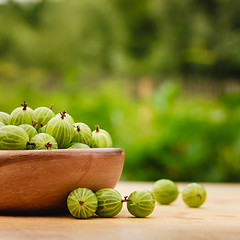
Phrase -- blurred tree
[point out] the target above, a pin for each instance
(122, 37)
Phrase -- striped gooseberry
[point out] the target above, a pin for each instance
(141, 203)
(109, 202)
(43, 115)
(82, 133)
(68, 117)
(61, 129)
(22, 115)
(31, 131)
(82, 203)
(43, 141)
(4, 118)
(13, 138)
(101, 139)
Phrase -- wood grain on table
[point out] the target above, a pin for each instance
(218, 218)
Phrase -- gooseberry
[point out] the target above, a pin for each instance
(141, 203)
(109, 202)
(4, 118)
(82, 133)
(22, 115)
(194, 195)
(13, 138)
(82, 203)
(42, 128)
(31, 131)
(100, 139)
(43, 141)
(165, 191)
(68, 117)
(43, 115)
(78, 145)
(61, 129)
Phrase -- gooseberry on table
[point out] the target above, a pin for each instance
(82, 203)
(165, 191)
(109, 202)
(140, 203)
(194, 195)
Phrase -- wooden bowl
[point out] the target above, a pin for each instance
(40, 180)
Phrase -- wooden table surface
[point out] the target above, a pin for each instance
(218, 218)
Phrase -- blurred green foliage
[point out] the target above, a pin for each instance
(94, 37)
(59, 52)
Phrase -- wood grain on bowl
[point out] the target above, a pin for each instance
(40, 180)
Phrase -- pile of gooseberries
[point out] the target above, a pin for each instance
(41, 128)
(83, 203)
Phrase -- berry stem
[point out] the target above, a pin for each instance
(31, 144)
(97, 128)
(41, 125)
(24, 105)
(125, 199)
(48, 145)
(63, 114)
(199, 195)
(51, 107)
(78, 129)
(34, 124)
(81, 202)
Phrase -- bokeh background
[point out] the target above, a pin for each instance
(162, 76)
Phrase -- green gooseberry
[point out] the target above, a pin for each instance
(43, 141)
(61, 129)
(82, 133)
(42, 128)
(13, 138)
(1, 124)
(4, 118)
(29, 129)
(108, 135)
(109, 202)
(141, 203)
(194, 195)
(68, 117)
(22, 115)
(165, 191)
(82, 203)
(100, 139)
(76, 145)
(43, 115)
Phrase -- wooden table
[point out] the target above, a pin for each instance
(218, 218)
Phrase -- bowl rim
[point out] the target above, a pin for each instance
(80, 150)
(12, 156)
